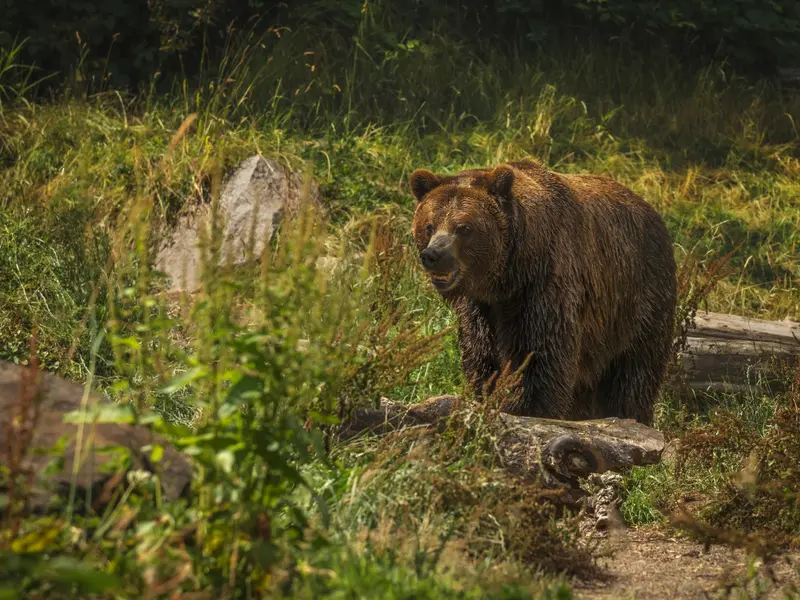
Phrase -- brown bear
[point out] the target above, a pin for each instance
(576, 272)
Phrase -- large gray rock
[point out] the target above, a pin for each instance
(254, 200)
(28, 430)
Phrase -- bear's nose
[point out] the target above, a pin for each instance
(430, 257)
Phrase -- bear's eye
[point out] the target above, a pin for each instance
(429, 230)
(463, 230)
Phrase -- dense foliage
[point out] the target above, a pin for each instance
(126, 43)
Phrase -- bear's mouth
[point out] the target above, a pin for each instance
(444, 281)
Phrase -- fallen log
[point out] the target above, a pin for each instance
(729, 353)
(556, 453)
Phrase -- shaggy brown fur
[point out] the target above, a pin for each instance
(575, 270)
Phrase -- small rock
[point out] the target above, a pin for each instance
(253, 202)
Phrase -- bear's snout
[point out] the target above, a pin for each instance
(438, 259)
(430, 257)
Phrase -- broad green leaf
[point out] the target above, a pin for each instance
(131, 342)
(157, 453)
(103, 412)
(120, 386)
(247, 388)
(226, 459)
(64, 569)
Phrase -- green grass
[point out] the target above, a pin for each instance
(86, 180)
(78, 160)
(645, 488)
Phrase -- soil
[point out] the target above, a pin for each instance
(652, 564)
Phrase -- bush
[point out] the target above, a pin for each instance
(253, 389)
(128, 43)
(750, 33)
(116, 42)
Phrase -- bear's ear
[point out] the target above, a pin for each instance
(423, 181)
(500, 181)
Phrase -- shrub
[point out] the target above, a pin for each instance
(127, 43)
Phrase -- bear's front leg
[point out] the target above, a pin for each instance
(476, 342)
(545, 334)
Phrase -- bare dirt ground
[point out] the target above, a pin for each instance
(653, 565)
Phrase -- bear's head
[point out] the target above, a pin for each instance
(461, 227)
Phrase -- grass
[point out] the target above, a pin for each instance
(89, 181)
(710, 210)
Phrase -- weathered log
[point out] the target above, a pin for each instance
(557, 453)
(731, 353)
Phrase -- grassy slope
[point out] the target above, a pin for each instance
(718, 156)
